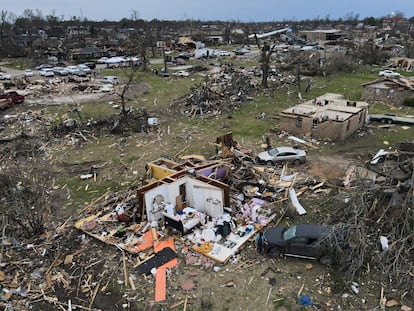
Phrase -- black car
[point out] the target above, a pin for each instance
(184, 55)
(164, 74)
(91, 65)
(303, 240)
(80, 73)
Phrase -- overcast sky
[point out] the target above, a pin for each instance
(226, 10)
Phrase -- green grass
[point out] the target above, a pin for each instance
(18, 63)
(84, 191)
(349, 85)
(390, 137)
(283, 304)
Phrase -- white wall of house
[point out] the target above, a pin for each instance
(201, 196)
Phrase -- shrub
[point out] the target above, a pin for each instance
(409, 102)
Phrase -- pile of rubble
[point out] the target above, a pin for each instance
(223, 91)
(57, 86)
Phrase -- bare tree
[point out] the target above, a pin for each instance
(408, 40)
(3, 24)
(25, 199)
(29, 23)
(142, 38)
(265, 53)
(130, 71)
(374, 211)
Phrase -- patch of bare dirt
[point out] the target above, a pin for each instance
(328, 166)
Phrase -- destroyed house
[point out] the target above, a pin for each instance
(196, 207)
(86, 53)
(184, 198)
(402, 63)
(192, 201)
(162, 201)
(321, 35)
(327, 117)
(388, 90)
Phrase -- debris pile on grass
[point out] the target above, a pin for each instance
(222, 92)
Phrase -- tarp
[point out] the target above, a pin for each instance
(160, 258)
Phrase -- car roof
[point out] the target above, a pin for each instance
(285, 149)
(311, 231)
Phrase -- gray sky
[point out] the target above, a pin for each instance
(226, 10)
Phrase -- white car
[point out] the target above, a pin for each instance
(4, 76)
(28, 73)
(84, 68)
(110, 79)
(60, 71)
(72, 69)
(106, 88)
(47, 72)
(282, 154)
(223, 53)
(102, 60)
(181, 74)
(389, 74)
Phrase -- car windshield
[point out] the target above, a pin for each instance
(273, 152)
(289, 233)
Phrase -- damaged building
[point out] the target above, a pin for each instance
(321, 35)
(388, 90)
(329, 116)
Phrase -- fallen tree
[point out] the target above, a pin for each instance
(379, 220)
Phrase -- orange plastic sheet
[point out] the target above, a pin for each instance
(161, 274)
(148, 241)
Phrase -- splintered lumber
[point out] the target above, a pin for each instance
(3, 235)
(132, 283)
(53, 263)
(177, 304)
(268, 295)
(125, 268)
(182, 150)
(313, 188)
(53, 301)
(90, 205)
(95, 292)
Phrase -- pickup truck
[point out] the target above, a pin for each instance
(10, 98)
(390, 118)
